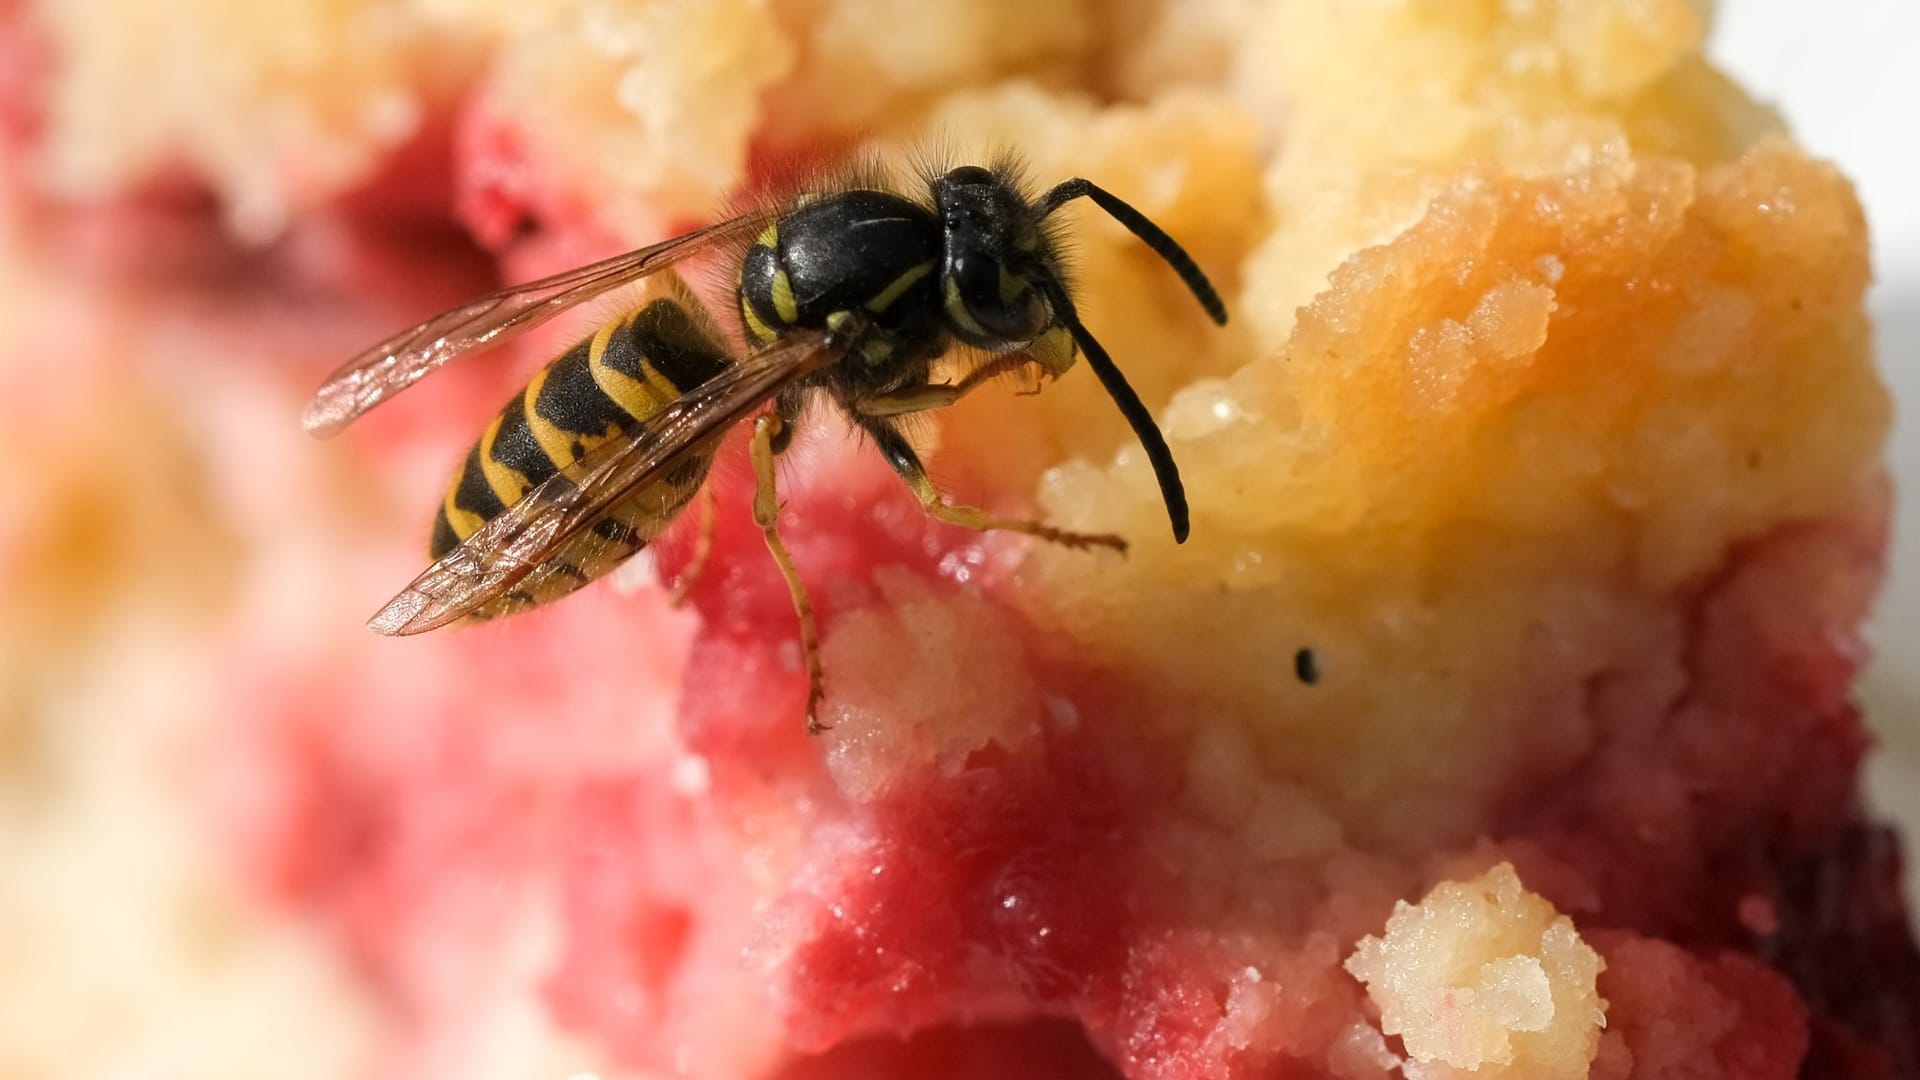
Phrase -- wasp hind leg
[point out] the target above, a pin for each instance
(900, 454)
(689, 575)
(768, 434)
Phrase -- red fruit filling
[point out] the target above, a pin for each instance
(739, 905)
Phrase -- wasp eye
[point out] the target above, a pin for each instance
(969, 174)
(978, 278)
(990, 303)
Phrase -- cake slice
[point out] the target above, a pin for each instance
(1496, 720)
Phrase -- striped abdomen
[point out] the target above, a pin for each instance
(605, 387)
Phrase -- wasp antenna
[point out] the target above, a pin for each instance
(1150, 234)
(1172, 491)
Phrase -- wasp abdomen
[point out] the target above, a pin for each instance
(606, 386)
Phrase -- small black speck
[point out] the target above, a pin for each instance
(525, 227)
(1306, 666)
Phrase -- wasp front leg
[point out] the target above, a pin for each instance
(938, 395)
(905, 461)
(768, 432)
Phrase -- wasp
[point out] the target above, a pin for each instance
(848, 295)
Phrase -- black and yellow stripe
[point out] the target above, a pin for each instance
(604, 387)
(767, 305)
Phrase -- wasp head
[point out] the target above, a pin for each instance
(992, 251)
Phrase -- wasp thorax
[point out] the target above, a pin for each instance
(989, 254)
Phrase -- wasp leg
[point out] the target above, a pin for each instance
(939, 395)
(702, 549)
(917, 399)
(900, 454)
(766, 513)
(787, 406)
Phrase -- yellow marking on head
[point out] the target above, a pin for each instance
(957, 310)
(911, 276)
(1054, 350)
(837, 320)
(554, 442)
(784, 305)
(757, 328)
(509, 485)
(876, 350)
(769, 237)
(1011, 286)
(464, 522)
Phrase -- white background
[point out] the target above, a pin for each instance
(1846, 73)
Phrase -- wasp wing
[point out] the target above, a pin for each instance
(400, 361)
(525, 537)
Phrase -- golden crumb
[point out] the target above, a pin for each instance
(1484, 979)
